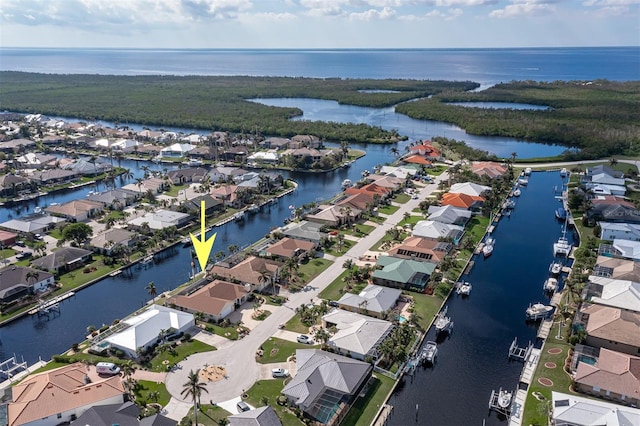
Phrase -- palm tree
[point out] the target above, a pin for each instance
(265, 277)
(151, 289)
(193, 388)
(394, 150)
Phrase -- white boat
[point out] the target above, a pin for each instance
(238, 217)
(555, 268)
(186, 241)
(54, 204)
(346, 183)
(194, 163)
(538, 311)
(429, 352)
(487, 249)
(504, 398)
(564, 172)
(115, 273)
(523, 182)
(37, 210)
(550, 285)
(517, 193)
(464, 288)
(443, 323)
(253, 208)
(509, 204)
(147, 260)
(562, 247)
(527, 171)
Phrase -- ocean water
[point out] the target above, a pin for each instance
(485, 66)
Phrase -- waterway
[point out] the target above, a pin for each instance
(473, 361)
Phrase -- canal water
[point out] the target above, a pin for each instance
(473, 360)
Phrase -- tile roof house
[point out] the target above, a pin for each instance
(489, 169)
(228, 194)
(51, 176)
(15, 144)
(215, 300)
(181, 176)
(126, 414)
(421, 249)
(88, 168)
(615, 376)
(574, 410)
(437, 230)
(622, 231)
(469, 188)
(402, 273)
(161, 219)
(153, 184)
(143, 328)
(304, 230)
(621, 294)
(613, 213)
(211, 205)
(250, 271)
(373, 190)
(114, 237)
(287, 248)
(115, 198)
(77, 210)
(449, 214)
(10, 184)
(611, 200)
(7, 239)
(34, 160)
(60, 395)
(358, 336)
(619, 269)
(360, 201)
(176, 150)
(463, 201)
(325, 383)
(427, 150)
(334, 215)
(373, 300)
(611, 328)
(63, 259)
(19, 281)
(263, 416)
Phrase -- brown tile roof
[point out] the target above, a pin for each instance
(615, 372)
(456, 199)
(488, 168)
(417, 159)
(57, 391)
(76, 207)
(426, 149)
(212, 298)
(249, 270)
(360, 201)
(370, 189)
(287, 247)
(611, 200)
(420, 245)
(613, 324)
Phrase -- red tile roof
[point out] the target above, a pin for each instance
(456, 199)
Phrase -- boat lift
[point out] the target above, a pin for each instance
(519, 353)
(499, 403)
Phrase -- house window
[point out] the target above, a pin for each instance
(596, 389)
(59, 415)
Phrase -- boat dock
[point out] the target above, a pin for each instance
(496, 405)
(519, 353)
(17, 371)
(44, 308)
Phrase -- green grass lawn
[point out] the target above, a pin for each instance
(358, 230)
(173, 191)
(437, 170)
(411, 220)
(334, 291)
(401, 198)
(346, 245)
(377, 219)
(209, 415)
(76, 278)
(387, 237)
(181, 352)
(278, 350)
(308, 271)
(477, 227)
(270, 389)
(230, 332)
(388, 210)
(145, 387)
(364, 409)
(7, 253)
(296, 325)
(426, 307)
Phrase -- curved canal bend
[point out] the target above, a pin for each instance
(473, 361)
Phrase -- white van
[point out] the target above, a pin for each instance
(107, 368)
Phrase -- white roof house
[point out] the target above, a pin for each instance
(606, 179)
(176, 150)
(161, 219)
(398, 171)
(434, 230)
(125, 144)
(143, 329)
(627, 249)
(357, 335)
(578, 411)
(373, 298)
(623, 294)
(619, 231)
(449, 214)
(469, 188)
(604, 189)
(265, 156)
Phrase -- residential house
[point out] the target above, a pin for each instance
(574, 410)
(621, 294)
(237, 154)
(77, 210)
(372, 190)
(227, 174)
(402, 273)
(211, 205)
(619, 269)
(7, 239)
(182, 176)
(603, 183)
(438, 231)
(54, 176)
(418, 160)
(228, 195)
(142, 329)
(16, 145)
(359, 201)
(325, 383)
(399, 172)
(126, 414)
(617, 213)
(115, 199)
(469, 188)
(610, 200)
(125, 145)
(176, 150)
(304, 230)
(358, 336)
(421, 249)
(19, 281)
(60, 395)
(262, 416)
(287, 248)
(31, 225)
(611, 328)
(373, 300)
(469, 202)
(615, 376)
(89, 168)
(153, 184)
(489, 169)
(161, 219)
(148, 150)
(626, 249)
(449, 215)
(276, 143)
(35, 160)
(601, 168)
(266, 157)
(11, 184)
(621, 231)
(309, 141)
(215, 300)
(392, 183)
(313, 155)
(258, 272)
(334, 215)
(107, 241)
(426, 150)
(63, 259)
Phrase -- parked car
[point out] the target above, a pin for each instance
(20, 244)
(24, 255)
(279, 372)
(303, 338)
(333, 304)
(108, 368)
(242, 407)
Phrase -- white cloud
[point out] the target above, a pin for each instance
(373, 14)
(523, 8)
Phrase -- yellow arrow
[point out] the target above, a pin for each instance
(203, 246)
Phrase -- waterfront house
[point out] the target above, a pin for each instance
(114, 199)
(488, 168)
(426, 150)
(89, 168)
(77, 210)
(399, 172)
(626, 249)
(149, 150)
(237, 154)
(16, 145)
(211, 205)
(325, 384)
(176, 150)
(602, 189)
(402, 273)
(621, 213)
(258, 272)
(142, 329)
(392, 183)
(276, 143)
(63, 259)
(372, 190)
(182, 176)
(469, 188)
(304, 230)
(54, 176)
(614, 376)
(228, 195)
(35, 160)
(334, 215)
(374, 300)
(421, 249)
(160, 219)
(31, 225)
(360, 201)
(227, 174)
(622, 231)
(262, 416)
(357, 336)
(437, 231)
(622, 294)
(601, 168)
(126, 414)
(311, 155)
(620, 269)
(287, 248)
(154, 184)
(418, 160)
(264, 157)
(473, 203)
(107, 241)
(19, 281)
(612, 328)
(449, 215)
(61, 395)
(574, 410)
(216, 300)
(310, 141)
(11, 184)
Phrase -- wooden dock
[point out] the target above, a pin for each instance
(469, 267)
(47, 305)
(519, 353)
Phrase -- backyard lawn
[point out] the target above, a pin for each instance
(265, 392)
(210, 415)
(278, 350)
(145, 387)
(364, 410)
(173, 191)
(426, 307)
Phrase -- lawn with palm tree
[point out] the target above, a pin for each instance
(266, 392)
(193, 388)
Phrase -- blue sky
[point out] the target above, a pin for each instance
(318, 23)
